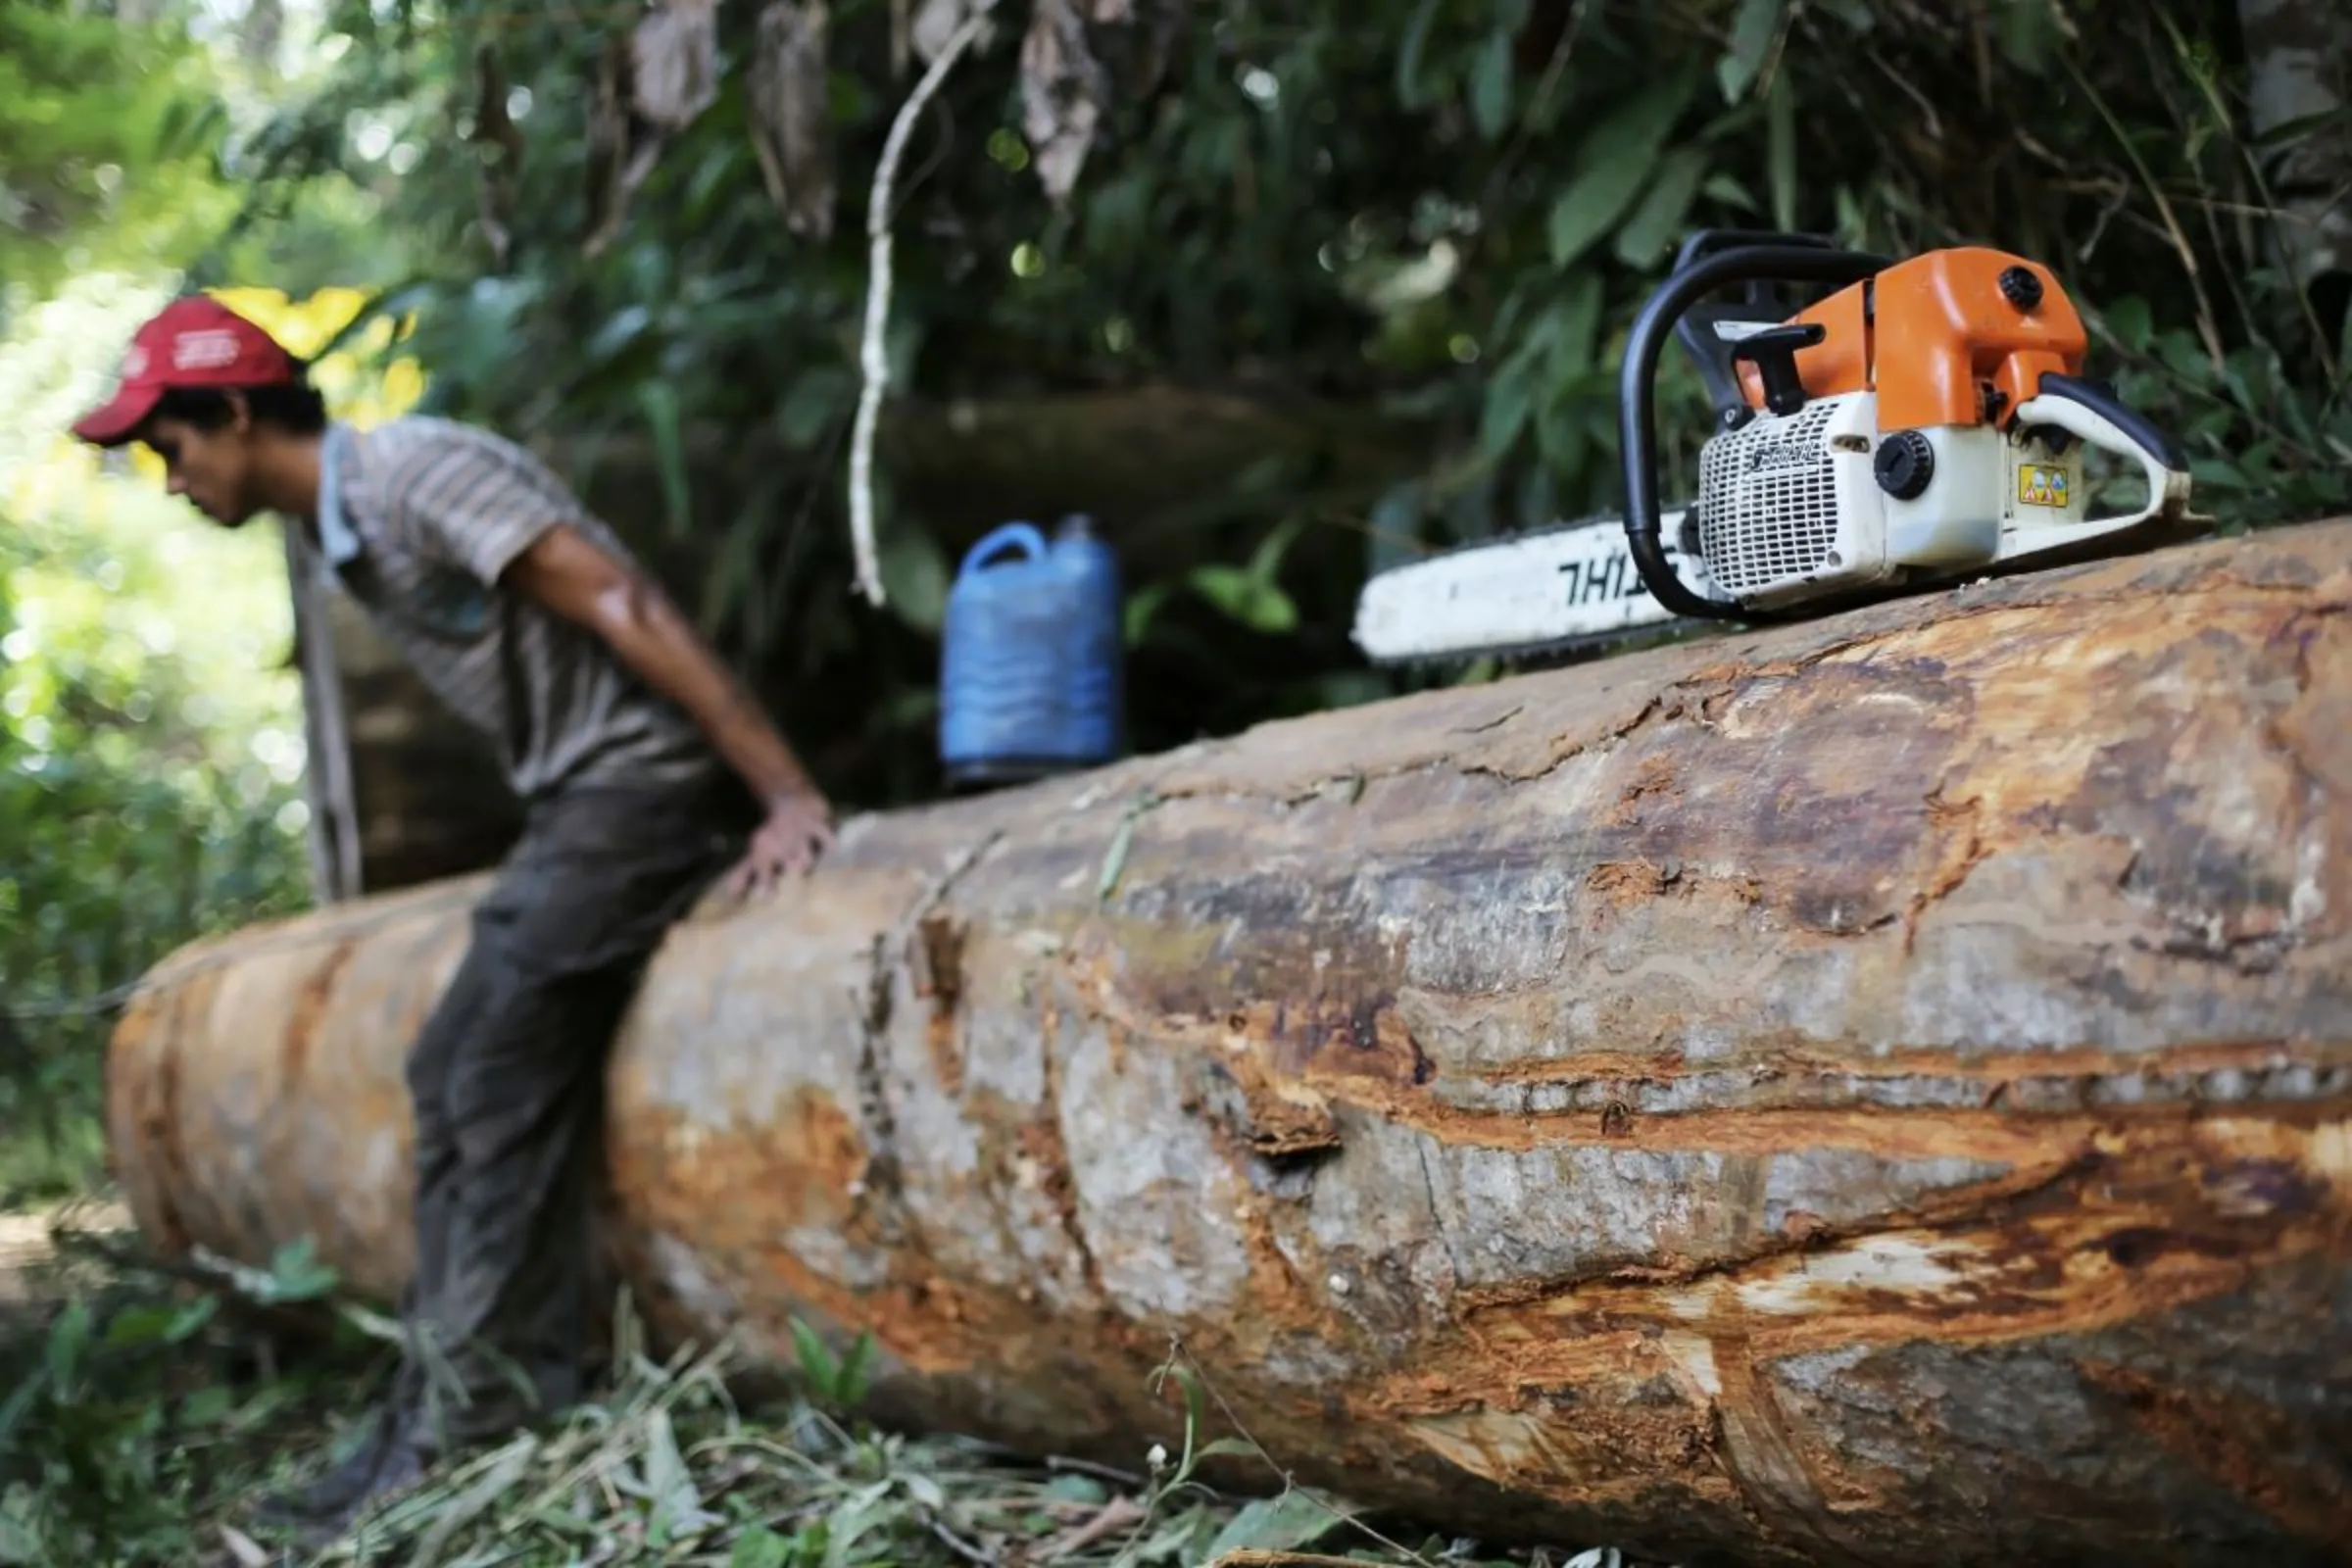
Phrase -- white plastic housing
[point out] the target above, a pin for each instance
(1789, 507)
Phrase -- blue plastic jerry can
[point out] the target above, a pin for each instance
(1031, 679)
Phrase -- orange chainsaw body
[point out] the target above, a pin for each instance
(1930, 335)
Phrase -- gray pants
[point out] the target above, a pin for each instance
(506, 1080)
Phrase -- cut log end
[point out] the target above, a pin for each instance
(1877, 1089)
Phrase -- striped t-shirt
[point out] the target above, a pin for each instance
(416, 520)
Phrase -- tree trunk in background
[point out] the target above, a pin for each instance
(258, 36)
(2299, 65)
(1878, 1091)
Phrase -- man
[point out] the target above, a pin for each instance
(641, 765)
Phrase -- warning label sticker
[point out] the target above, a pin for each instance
(2044, 484)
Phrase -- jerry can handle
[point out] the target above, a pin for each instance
(1023, 534)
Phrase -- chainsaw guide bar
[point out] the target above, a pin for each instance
(1566, 588)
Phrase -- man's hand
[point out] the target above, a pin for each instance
(798, 828)
(573, 577)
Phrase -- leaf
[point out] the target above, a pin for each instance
(915, 578)
(620, 333)
(1267, 559)
(191, 1317)
(658, 401)
(854, 1518)
(20, 1399)
(1613, 166)
(816, 400)
(1753, 33)
(816, 1360)
(760, 1547)
(1490, 86)
(1658, 219)
(1575, 343)
(856, 1368)
(2026, 33)
(1413, 87)
(1251, 599)
(68, 1337)
(1071, 1487)
(201, 1408)
(677, 1501)
(479, 1497)
(145, 1325)
(1510, 398)
(1720, 188)
(2130, 322)
(1182, 1541)
(1241, 1447)
(20, 1540)
(1142, 606)
(1283, 1523)
(1779, 151)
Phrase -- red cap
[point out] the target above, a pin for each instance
(192, 342)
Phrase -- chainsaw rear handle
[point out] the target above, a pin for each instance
(1637, 424)
(2094, 415)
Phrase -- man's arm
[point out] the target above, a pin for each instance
(564, 572)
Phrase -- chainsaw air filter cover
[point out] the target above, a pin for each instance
(1769, 507)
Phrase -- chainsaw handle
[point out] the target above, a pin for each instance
(2091, 413)
(1637, 421)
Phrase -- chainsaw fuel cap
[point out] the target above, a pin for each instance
(2019, 287)
(1904, 465)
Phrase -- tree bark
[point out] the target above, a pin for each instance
(1876, 1091)
(2299, 70)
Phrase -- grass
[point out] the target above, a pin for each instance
(154, 1398)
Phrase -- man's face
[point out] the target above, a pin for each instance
(212, 467)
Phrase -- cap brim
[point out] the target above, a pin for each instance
(114, 424)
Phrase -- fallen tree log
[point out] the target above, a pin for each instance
(1878, 1091)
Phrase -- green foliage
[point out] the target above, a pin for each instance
(107, 131)
(145, 1419)
(136, 1406)
(1447, 209)
(838, 1383)
(149, 747)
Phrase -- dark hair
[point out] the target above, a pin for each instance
(295, 408)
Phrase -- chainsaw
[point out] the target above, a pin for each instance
(1924, 423)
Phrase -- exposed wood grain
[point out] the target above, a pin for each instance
(1878, 1091)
